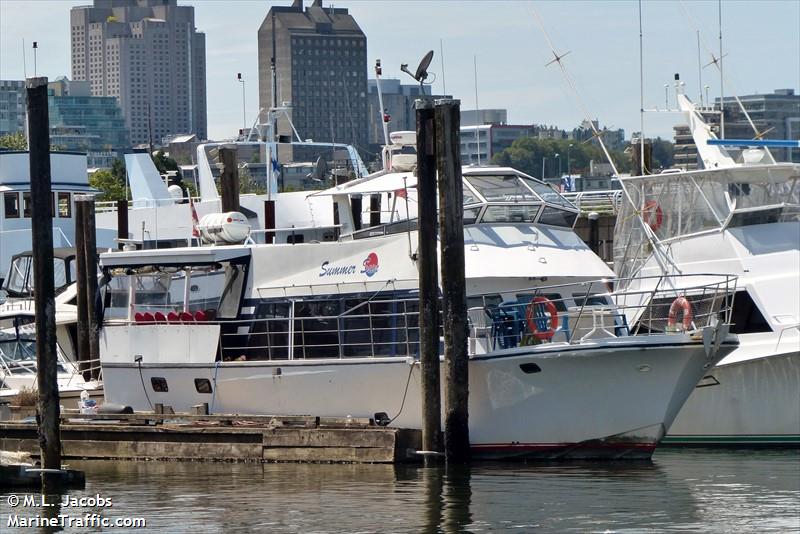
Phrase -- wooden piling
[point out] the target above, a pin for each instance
(44, 296)
(269, 220)
(82, 330)
(90, 262)
(454, 301)
(428, 265)
(122, 222)
(229, 179)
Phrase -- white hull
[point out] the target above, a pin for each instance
(610, 399)
(756, 402)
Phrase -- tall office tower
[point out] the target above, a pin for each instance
(320, 57)
(149, 55)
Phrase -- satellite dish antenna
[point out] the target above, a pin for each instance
(421, 73)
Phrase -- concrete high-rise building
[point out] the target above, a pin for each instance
(320, 56)
(149, 55)
(12, 106)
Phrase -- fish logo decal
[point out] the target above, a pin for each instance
(370, 264)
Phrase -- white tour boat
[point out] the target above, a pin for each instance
(739, 216)
(331, 328)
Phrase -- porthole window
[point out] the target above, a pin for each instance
(203, 385)
(159, 384)
(530, 368)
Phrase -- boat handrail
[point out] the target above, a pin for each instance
(603, 202)
(782, 331)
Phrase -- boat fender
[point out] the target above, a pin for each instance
(651, 208)
(680, 303)
(531, 317)
(114, 408)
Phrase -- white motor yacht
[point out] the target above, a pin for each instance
(741, 216)
(331, 328)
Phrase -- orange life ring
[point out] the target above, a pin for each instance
(530, 318)
(650, 207)
(680, 303)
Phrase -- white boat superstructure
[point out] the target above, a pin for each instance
(331, 328)
(68, 176)
(738, 216)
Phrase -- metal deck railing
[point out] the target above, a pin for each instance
(314, 328)
(602, 202)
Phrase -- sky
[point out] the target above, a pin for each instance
(501, 40)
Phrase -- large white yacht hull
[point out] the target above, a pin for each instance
(610, 399)
(753, 402)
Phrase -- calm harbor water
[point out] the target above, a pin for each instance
(680, 491)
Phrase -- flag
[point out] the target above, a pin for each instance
(401, 193)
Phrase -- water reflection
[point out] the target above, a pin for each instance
(702, 491)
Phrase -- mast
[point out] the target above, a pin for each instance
(641, 93)
(477, 113)
(699, 70)
(721, 87)
(385, 154)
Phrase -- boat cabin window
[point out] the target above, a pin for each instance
(20, 276)
(212, 290)
(747, 318)
(765, 216)
(17, 338)
(11, 205)
(507, 188)
(510, 213)
(18, 345)
(64, 205)
(356, 325)
(557, 217)
(27, 205)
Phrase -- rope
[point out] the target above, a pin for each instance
(403, 403)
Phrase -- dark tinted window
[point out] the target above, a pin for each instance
(159, 384)
(747, 318)
(11, 203)
(202, 385)
(557, 217)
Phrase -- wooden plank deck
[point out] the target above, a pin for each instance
(149, 436)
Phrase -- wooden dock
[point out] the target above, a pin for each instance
(184, 437)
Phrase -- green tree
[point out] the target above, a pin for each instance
(527, 155)
(164, 163)
(109, 184)
(14, 141)
(663, 153)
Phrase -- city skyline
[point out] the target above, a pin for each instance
(505, 42)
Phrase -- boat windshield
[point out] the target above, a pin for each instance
(17, 339)
(515, 198)
(20, 276)
(213, 291)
